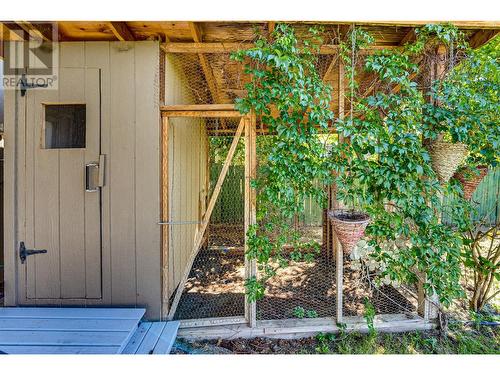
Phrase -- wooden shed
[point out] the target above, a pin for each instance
(117, 173)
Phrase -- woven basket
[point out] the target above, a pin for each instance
(445, 158)
(348, 232)
(470, 183)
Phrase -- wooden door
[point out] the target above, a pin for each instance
(63, 197)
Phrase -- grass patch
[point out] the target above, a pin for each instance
(460, 339)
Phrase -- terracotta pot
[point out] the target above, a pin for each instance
(445, 158)
(471, 182)
(349, 226)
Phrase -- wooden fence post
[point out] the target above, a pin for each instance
(339, 253)
(164, 215)
(250, 208)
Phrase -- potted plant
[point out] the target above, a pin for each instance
(349, 226)
(441, 46)
(446, 158)
(470, 178)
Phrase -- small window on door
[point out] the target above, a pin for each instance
(65, 126)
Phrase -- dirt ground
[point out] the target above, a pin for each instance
(215, 288)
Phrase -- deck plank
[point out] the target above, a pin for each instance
(27, 324)
(62, 338)
(67, 330)
(137, 338)
(27, 349)
(167, 338)
(148, 344)
(71, 313)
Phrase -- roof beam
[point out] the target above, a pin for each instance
(10, 31)
(43, 30)
(271, 26)
(409, 37)
(197, 36)
(482, 37)
(121, 31)
(205, 66)
(330, 68)
(222, 47)
(195, 32)
(459, 24)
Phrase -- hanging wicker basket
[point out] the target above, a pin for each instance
(349, 226)
(471, 182)
(445, 158)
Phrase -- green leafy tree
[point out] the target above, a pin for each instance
(289, 96)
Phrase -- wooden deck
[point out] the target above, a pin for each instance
(26, 330)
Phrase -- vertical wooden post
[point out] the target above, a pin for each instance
(339, 253)
(428, 306)
(250, 207)
(164, 215)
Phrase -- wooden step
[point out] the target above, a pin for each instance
(153, 338)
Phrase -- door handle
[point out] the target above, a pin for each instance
(91, 177)
(94, 175)
(24, 253)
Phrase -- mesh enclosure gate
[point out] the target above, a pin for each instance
(214, 287)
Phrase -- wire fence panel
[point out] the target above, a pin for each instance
(365, 289)
(304, 289)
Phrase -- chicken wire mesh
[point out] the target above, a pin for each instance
(305, 287)
(365, 286)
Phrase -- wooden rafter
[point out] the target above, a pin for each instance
(121, 31)
(205, 66)
(410, 36)
(331, 67)
(197, 36)
(270, 26)
(482, 37)
(6, 33)
(42, 30)
(10, 32)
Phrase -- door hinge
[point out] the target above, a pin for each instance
(23, 252)
(24, 85)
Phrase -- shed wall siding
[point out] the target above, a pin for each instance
(187, 173)
(130, 129)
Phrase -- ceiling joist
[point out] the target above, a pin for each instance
(222, 47)
(408, 38)
(482, 37)
(121, 31)
(41, 30)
